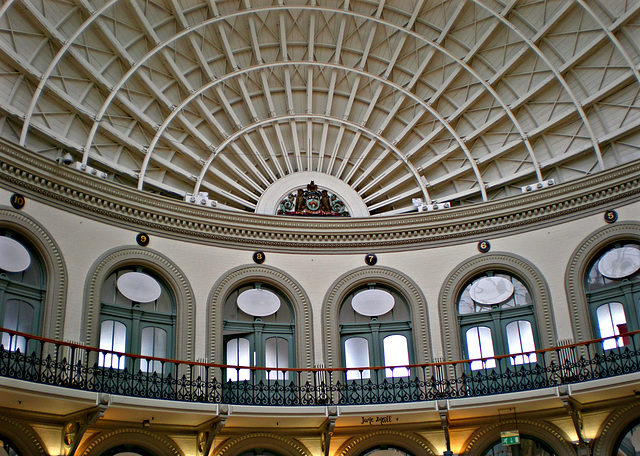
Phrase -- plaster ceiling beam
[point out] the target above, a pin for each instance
(423, 64)
(173, 143)
(560, 14)
(332, 84)
(373, 28)
(266, 90)
(289, 93)
(179, 77)
(78, 109)
(311, 37)
(391, 200)
(506, 109)
(204, 65)
(541, 55)
(325, 120)
(542, 85)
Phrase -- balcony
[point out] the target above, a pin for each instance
(44, 361)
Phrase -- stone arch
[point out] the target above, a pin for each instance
(555, 438)
(577, 268)
(412, 443)
(157, 444)
(513, 264)
(53, 262)
(265, 440)
(342, 286)
(161, 265)
(616, 423)
(276, 278)
(24, 438)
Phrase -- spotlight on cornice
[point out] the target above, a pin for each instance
(433, 206)
(88, 169)
(538, 186)
(201, 199)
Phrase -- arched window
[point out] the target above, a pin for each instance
(496, 317)
(137, 315)
(258, 330)
(7, 448)
(612, 286)
(526, 447)
(22, 289)
(375, 330)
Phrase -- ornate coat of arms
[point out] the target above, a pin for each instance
(312, 202)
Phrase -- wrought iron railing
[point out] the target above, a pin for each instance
(38, 360)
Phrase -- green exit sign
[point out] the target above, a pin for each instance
(510, 438)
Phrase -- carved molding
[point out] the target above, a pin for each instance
(342, 286)
(586, 251)
(616, 423)
(113, 203)
(498, 261)
(155, 443)
(24, 438)
(269, 275)
(266, 440)
(547, 433)
(53, 263)
(161, 265)
(412, 443)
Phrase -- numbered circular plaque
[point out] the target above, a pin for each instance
(258, 302)
(142, 239)
(371, 259)
(17, 201)
(610, 216)
(14, 257)
(484, 246)
(139, 287)
(258, 257)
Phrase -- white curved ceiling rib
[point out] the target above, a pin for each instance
(451, 100)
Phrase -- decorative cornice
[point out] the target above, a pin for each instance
(58, 185)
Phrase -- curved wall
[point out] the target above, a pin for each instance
(88, 227)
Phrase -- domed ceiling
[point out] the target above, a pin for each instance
(458, 101)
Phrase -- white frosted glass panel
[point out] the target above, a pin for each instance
(238, 354)
(258, 302)
(609, 317)
(373, 303)
(153, 343)
(520, 340)
(396, 353)
(113, 337)
(18, 315)
(480, 345)
(356, 354)
(139, 287)
(277, 355)
(14, 257)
